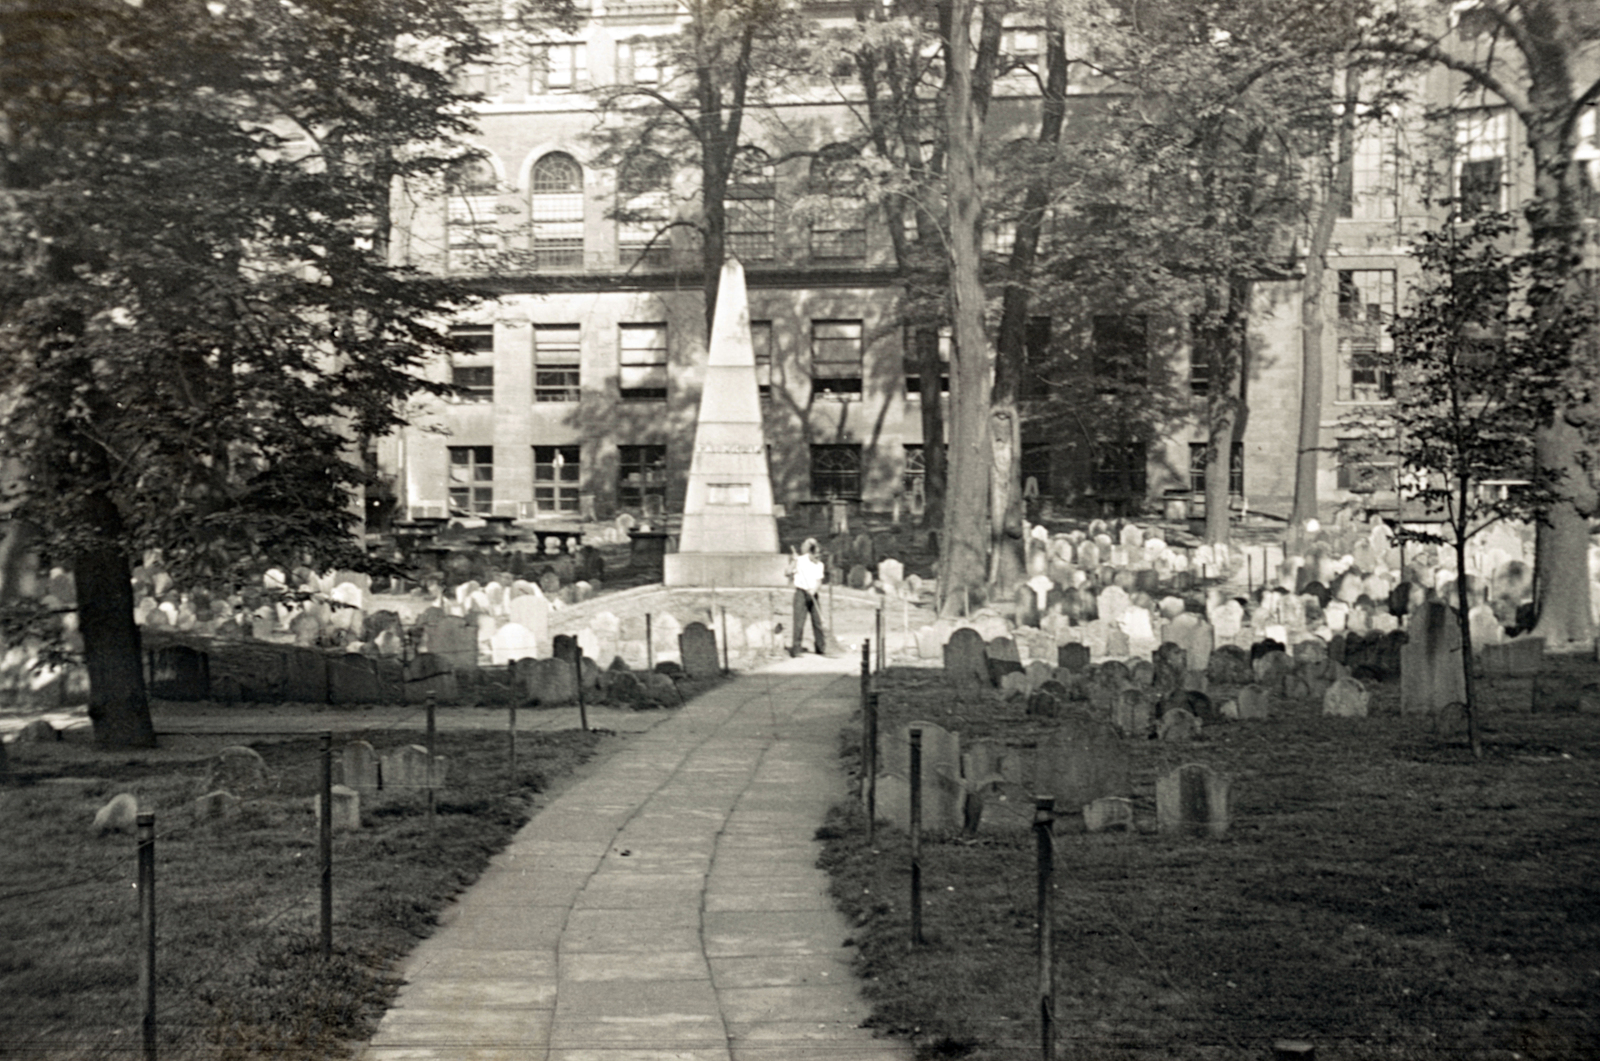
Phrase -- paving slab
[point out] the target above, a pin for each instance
(667, 907)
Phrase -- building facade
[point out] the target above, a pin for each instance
(579, 394)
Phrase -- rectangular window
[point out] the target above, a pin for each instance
(556, 360)
(835, 472)
(472, 369)
(913, 362)
(642, 479)
(471, 480)
(914, 479)
(1482, 147)
(643, 237)
(836, 359)
(1197, 468)
(642, 358)
(559, 68)
(1037, 370)
(1366, 305)
(555, 480)
(761, 346)
(1372, 194)
(1364, 468)
(638, 62)
(998, 238)
(1121, 348)
(1022, 47)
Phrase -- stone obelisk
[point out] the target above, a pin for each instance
(729, 535)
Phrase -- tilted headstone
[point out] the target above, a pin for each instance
(1178, 725)
(119, 815)
(240, 770)
(698, 647)
(1192, 801)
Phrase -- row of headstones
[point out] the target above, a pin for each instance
(1083, 765)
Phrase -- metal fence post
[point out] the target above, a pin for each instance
(916, 836)
(146, 827)
(325, 839)
(1043, 828)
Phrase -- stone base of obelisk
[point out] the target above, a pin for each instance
(765, 570)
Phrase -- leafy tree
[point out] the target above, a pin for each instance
(728, 59)
(1537, 59)
(1474, 381)
(197, 332)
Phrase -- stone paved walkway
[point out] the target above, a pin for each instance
(667, 906)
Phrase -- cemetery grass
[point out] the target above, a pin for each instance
(1379, 894)
(239, 967)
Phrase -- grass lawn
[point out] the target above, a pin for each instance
(1379, 894)
(239, 969)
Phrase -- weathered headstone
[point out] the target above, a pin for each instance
(1073, 657)
(1192, 801)
(1346, 698)
(346, 804)
(119, 815)
(966, 660)
(1131, 712)
(943, 795)
(406, 768)
(1430, 661)
(1178, 725)
(1080, 762)
(428, 674)
(240, 770)
(1107, 813)
(698, 647)
(1254, 702)
(352, 679)
(361, 767)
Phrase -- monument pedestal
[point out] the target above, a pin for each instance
(764, 570)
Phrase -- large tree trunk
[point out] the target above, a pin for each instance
(963, 551)
(1313, 317)
(1561, 567)
(935, 468)
(1224, 343)
(119, 707)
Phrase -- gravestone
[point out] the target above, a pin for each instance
(1194, 635)
(240, 770)
(531, 611)
(1111, 603)
(405, 769)
(1131, 712)
(1430, 661)
(1048, 700)
(1192, 801)
(1073, 657)
(429, 674)
(943, 795)
(361, 768)
(1002, 658)
(1107, 813)
(346, 804)
(698, 648)
(453, 639)
(966, 660)
(306, 627)
(1518, 658)
(1178, 725)
(1346, 698)
(119, 815)
(549, 681)
(512, 641)
(1254, 702)
(1080, 762)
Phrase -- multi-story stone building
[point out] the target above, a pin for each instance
(580, 393)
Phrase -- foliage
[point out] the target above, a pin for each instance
(197, 325)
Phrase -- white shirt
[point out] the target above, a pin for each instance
(808, 572)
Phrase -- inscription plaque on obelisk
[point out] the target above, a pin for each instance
(729, 536)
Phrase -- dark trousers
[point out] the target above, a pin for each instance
(807, 602)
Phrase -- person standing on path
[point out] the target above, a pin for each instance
(806, 571)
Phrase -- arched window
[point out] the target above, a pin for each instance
(472, 229)
(557, 211)
(840, 233)
(752, 208)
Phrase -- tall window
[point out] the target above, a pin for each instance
(761, 345)
(836, 359)
(1022, 48)
(1482, 148)
(913, 359)
(643, 209)
(556, 360)
(472, 229)
(752, 209)
(1366, 305)
(642, 362)
(471, 480)
(840, 234)
(559, 68)
(835, 471)
(1372, 194)
(557, 209)
(472, 365)
(1197, 467)
(642, 478)
(638, 62)
(555, 479)
(1122, 348)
